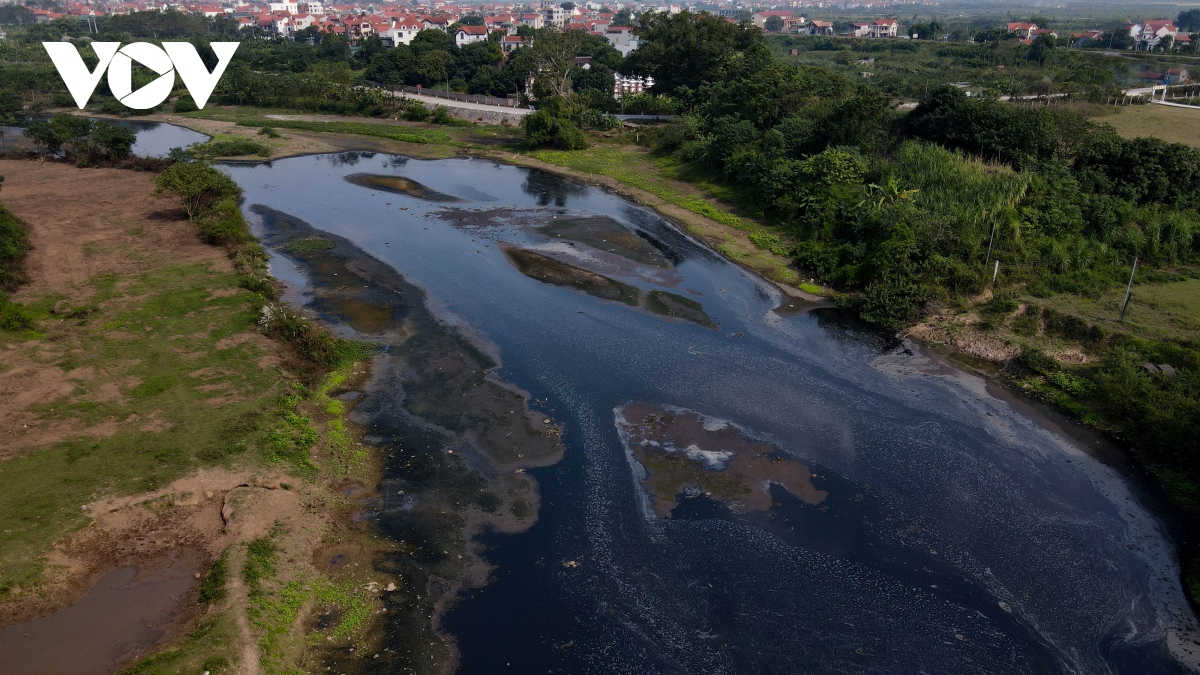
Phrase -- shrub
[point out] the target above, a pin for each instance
(546, 128)
(212, 588)
(416, 112)
(269, 132)
(237, 147)
(1065, 325)
(14, 317)
(184, 104)
(313, 341)
(223, 225)
(197, 184)
(14, 243)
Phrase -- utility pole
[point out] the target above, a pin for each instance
(995, 272)
(1128, 289)
(990, 242)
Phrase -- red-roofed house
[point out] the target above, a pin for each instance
(440, 22)
(820, 28)
(468, 34)
(511, 43)
(1021, 28)
(760, 18)
(402, 32)
(1154, 34)
(884, 28)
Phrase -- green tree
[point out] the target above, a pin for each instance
(551, 126)
(553, 53)
(774, 24)
(1189, 20)
(687, 50)
(197, 184)
(113, 141)
(434, 67)
(1043, 49)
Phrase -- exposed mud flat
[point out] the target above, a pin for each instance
(683, 452)
(456, 442)
(669, 304)
(551, 271)
(605, 234)
(400, 185)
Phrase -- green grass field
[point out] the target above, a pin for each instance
(170, 339)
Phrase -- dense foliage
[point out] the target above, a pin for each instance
(899, 210)
(80, 139)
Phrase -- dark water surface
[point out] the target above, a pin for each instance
(154, 139)
(959, 535)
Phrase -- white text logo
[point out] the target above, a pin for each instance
(118, 61)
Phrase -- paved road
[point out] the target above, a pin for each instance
(433, 101)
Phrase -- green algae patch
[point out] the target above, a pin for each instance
(670, 304)
(605, 234)
(307, 245)
(551, 271)
(400, 185)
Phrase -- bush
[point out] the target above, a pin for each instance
(184, 104)
(1065, 325)
(14, 243)
(313, 341)
(269, 132)
(416, 112)
(14, 317)
(550, 127)
(237, 147)
(198, 185)
(223, 225)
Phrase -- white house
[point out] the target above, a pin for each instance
(511, 43)
(468, 34)
(288, 6)
(402, 32)
(534, 21)
(884, 28)
(1154, 34)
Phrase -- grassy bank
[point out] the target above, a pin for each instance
(160, 369)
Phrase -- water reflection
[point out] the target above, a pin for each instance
(549, 188)
(959, 535)
(154, 139)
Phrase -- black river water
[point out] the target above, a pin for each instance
(959, 534)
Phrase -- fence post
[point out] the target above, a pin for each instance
(995, 272)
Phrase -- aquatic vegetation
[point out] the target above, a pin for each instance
(307, 245)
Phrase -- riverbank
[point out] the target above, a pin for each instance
(1162, 313)
(158, 433)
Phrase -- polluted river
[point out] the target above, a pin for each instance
(695, 472)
